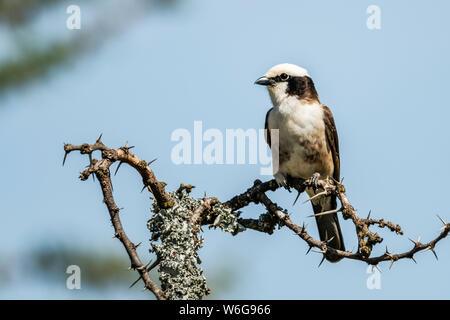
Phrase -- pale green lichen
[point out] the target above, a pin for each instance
(176, 243)
(226, 219)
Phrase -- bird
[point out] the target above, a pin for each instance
(308, 146)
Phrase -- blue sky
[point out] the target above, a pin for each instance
(387, 89)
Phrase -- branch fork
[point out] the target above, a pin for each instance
(205, 212)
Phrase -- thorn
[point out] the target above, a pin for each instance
(157, 261)
(137, 245)
(392, 262)
(99, 138)
(303, 228)
(434, 252)
(132, 285)
(117, 169)
(149, 268)
(442, 220)
(325, 213)
(316, 196)
(65, 156)
(368, 216)
(309, 249)
(151, 161)
(331, 239)
(145, 186)
(140, 277)
(127, 148)
(321, 262)
(415, 243)
(412, 258)
(317, 251)
(296, 198)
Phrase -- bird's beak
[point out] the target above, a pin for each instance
(264, 81)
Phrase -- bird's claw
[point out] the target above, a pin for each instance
(285, 185)
(313, 182)
(282, 181)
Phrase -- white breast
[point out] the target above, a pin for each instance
(302, 141)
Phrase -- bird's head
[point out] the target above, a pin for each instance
(284, 80)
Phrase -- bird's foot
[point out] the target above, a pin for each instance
(313, 182)
(282, 181)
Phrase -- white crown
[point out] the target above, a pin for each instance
(289, 69)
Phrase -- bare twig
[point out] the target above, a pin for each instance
(123, 155)
(101, 168)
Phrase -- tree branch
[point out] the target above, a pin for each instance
(256, 194)
(178, 217)
(101, 169)
(123, 155)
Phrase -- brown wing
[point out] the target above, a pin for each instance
(332, 140)
(267, 131)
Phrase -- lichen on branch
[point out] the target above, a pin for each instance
(177, 220)
(175, 240)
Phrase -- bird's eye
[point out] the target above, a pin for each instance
(284, 77)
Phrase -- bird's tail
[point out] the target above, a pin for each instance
(328, 225)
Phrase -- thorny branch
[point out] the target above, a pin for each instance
(256, 194)
(101, 170)
(210, 211)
